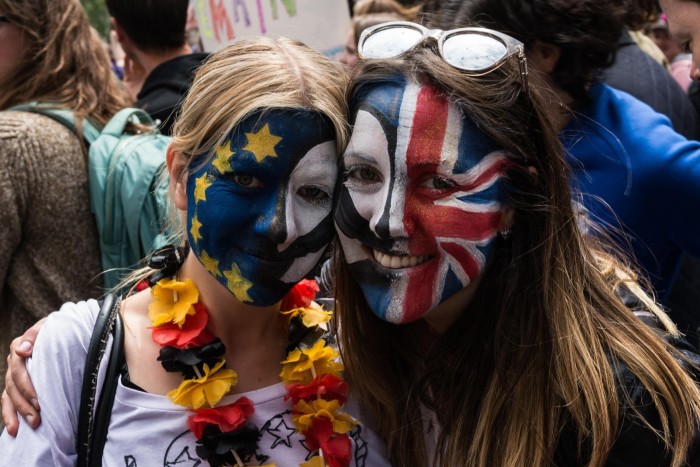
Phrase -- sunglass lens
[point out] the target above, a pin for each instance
(390, 42)
(472, 52)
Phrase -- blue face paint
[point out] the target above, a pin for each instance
(259, 212)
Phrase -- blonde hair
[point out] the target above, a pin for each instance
(246, 77)
(66, 62)
(542, 344)
(364, 7)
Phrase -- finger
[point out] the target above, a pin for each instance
(25, 344)
(22, 392)
(9, 415)
(19, 405)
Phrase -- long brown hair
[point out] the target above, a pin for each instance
(538, 347)
(66, 62)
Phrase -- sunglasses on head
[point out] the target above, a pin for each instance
(476, 51)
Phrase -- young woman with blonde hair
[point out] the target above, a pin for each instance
(224, 359)
(477, 324)
(48, 54)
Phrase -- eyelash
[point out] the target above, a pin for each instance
(449, 183)
(254, 181)
(363, 174)
(685, 47)
(314, 195)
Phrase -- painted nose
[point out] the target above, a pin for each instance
(272, 222)
(388, 223)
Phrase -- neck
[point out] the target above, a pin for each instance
(150, 60)
(240, 327)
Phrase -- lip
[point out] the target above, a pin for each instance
(397, 262)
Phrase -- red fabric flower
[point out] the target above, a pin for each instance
(192, 334)
(228, 417)
(328, 387)
(142, 285)
(300, 296)
(337, 450)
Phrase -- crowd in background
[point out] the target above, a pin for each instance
(617, 90)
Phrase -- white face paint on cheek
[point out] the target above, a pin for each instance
(369, 147)
(317, 170)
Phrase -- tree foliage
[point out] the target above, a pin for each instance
(97, 12)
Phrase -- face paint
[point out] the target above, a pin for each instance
(420, 207)
(259, 212)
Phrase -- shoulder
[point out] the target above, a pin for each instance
(19, 124)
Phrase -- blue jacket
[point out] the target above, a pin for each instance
(624, 153)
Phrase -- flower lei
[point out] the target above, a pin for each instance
(311, 373)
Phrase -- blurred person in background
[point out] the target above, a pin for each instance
(48, 54)
(635, 176)
(680, 61)
(159, 63)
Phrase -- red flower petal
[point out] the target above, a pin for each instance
(337, 449)
(192, 334)
(328, 387)
(228, 417)
(300, 296)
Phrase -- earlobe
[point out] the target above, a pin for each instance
(544, 56)
(177, 171)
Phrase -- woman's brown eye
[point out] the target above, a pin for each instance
(439, 183)
(246, 180)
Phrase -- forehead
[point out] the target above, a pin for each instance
(418, 118)
(275, 136)
(683, 17)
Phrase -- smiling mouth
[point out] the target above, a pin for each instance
(398, 262)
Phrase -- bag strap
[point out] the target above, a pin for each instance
(63, 116)
(93, 421)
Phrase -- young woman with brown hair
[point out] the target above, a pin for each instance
(478, 326)
(49, 54)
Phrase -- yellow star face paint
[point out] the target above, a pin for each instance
(259, 205)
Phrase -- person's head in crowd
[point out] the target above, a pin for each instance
(366, 7)
(566, 41)
(358, 24)
(658, 31)
(154, 26)
(684, 23)
(469, 302)
(50, 53)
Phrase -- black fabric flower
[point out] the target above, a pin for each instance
(186, 360)
(215, 446)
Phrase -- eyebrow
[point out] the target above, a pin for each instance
(360, 156)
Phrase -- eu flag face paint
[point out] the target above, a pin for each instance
(259, 212)
(420, 206)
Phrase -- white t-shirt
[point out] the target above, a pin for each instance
(145, 429)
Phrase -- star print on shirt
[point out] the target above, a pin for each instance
(238, 284)
(262, 144)
(281, 432)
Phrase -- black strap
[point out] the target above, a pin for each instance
(93, 422)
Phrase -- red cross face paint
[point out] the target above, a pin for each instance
(420, 205)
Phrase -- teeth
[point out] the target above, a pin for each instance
(396, 262)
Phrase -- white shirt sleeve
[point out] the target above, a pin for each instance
(56, 368)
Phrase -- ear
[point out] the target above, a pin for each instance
(543, 56)
(177, 170)
(506, 218)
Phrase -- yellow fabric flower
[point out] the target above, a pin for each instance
(315, 461)
(313, 315)
(302, 365)
(305, 413)
(172, 301)
(209, 389)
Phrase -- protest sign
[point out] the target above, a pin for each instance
(322, 24)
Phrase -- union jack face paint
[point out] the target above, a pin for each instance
(420, 205)
(259, 212)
